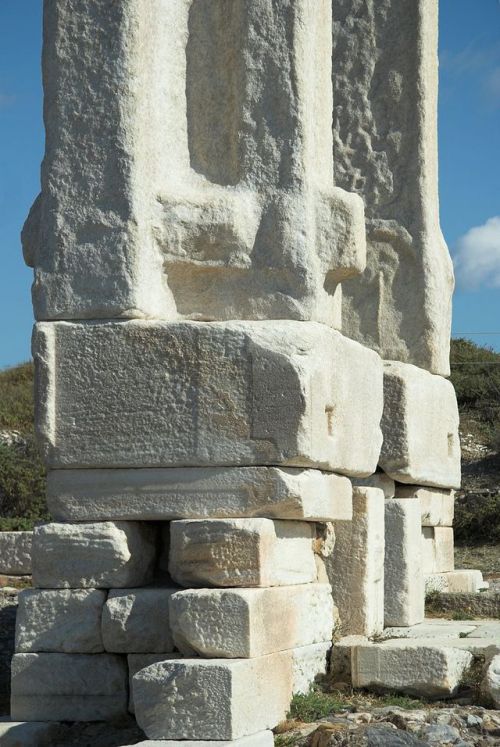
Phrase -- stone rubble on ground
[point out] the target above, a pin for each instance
(224, 341)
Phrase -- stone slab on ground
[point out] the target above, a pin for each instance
(15, 553)
(356, 567)
(68, 687)
(468, 581)
(137, 621)
(262, 739)
(410, 666)
(60, 620)
(420, 425)
(28, 734)
(485, 604)
(198, 493)
(404, 597)
(242, 552)
(431, 629)
(212, 698)
(437, 550)
(241, 623)
(103, 555)
(206, 394)
(437, 506)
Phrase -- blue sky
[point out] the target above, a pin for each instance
(469, 132)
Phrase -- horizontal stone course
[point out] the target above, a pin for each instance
(242, 552)
(103, 555)
(206, 394)
(198, 493)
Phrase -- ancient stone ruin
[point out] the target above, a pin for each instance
(242, 297)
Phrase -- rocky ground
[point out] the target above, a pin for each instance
(393, 726)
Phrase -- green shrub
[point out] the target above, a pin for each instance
(477, 519)
(312, 706)
(16, 398)
(22, 483)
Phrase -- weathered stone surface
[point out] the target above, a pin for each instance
(243, 623)
(420, 427)
(68, 687)
(15, 553)
(468, 581)
(493, 680)
(137, 621)
(103, 555)
(198, 493)
(410, 667)
(235, 393)
(309, 662)
(387, 152)
(378, 480)
(262, 739)
(403, 576)
(437, 506)
(437, 550)
(28, 734)
(234, 214)
(60, 620)
(136, 662)
(356, 567)
(212, 698)
(242, 552)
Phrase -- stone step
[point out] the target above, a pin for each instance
(245, 623)
(198, 493)
(468, 581)
(242, 552)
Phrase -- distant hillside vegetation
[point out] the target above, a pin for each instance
(22, 476)
(475, 375)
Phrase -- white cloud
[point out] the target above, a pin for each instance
(477, 257)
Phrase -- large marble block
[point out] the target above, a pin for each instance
(198, 493)
(151, 394)
(173, 184)
(385, 91)
(68, 687)
(60, 620)
(15, 553)
(212, 698)
(420, 426)
(437, 550)
(356, 566)
(242, 552)
(102, 554)
(245, 623)
(404, 595)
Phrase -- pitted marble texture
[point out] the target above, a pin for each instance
(385, 84)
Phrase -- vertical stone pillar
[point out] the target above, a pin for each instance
(385, 82)
(188, 184)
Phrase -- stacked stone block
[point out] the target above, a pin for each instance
(199, 410)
